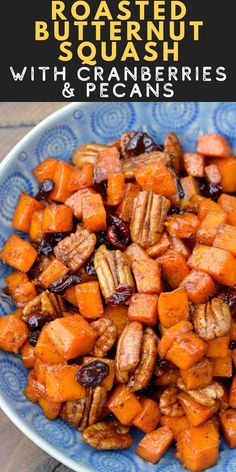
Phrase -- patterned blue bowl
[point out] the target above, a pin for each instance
(58, 136)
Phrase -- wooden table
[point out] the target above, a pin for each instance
(17, 453)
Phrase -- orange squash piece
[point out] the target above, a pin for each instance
(50, 409)
(226, 238)
(182, 226)
(232, 393)
(215, 145)
(159, 248)
(143, 308)
(173, 307)
(227, 170)
(124, 404)
(61, 383)
(206, 206)
(61, 179)
(196, 413)
(34, 389)
(118, 314)
(25, 208)
(115, 189)
(215, 262)
(199, 286)
(18, 253)
(70, 296)
(218, 347)
(152, 447)
(171, 334)
(222, 367)
(228, 424)
(45, 350)
(107, 163)
(57, 218)
(54, 271)
(27, 354)
(232, 332)
(209, 227)
(175, 423)
(213, 174)
(147, 276)
(13, 333)
(157, 177)
(40, 369)
(72, 336)
(199, 375)
(228, 204)
(36, 227)
(75, 201)
(174, 267)
(136, 253)
(21, 289)
(186, 350)
(108, 382)
(124, 208)
(148, 419)
(94, 213)
(89, 300)
(46, 169)
(81, 177)
(197, 448)
(194, 164)
(177, 245)
(190, 187)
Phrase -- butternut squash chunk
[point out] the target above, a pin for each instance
(20, 288)
(61, 383)
(148, 419)
(159, 248)
(225, 238)
(36, 227)
(118, 314)
(196, 413)
(228, 424)
(174, 267)
(194, 164)
(207, 205)
(232, 393)
(61, 180)
(50, 409)
(152, 447)
(175, 423)
(215, 145)
(182, 226)
(215, 262)
(190, 187)
(124, 404)
(147, 276)
(218, 347)
(209, 227)
(199, 375)
(45, 350)
(18, 253)
(57, 218)
(25, 208)
(89, 300)
(54, 271)
(143, 308)
(94, 213)
(124, 208)
(75, 201)
(157, 177)
(80, 177)
(108, 162)
(27, 354)
(227, 170)
(115, 189)
(173, 307)
(222, 367)
(46, 169)
(13, 333)
(228, 204)
(199, 286)
(186, 350)
(171, 334)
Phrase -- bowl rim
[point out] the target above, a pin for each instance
(15, 418)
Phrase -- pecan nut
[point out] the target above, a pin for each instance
(169, 403)
(75, 249)
(205, 396)
(107, 335)
(131, 164)
(72, 412)
(107, 435)
(94, 402)
(86, 153)
(145, 369)
(49, 304)
(173, 147)
(148, 215)
(128, 350)
(113, 270)
(212, 320)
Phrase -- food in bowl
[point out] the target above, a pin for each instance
(125, 294)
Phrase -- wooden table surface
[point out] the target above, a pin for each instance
(17, 453)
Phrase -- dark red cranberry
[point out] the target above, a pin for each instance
(33, 337)
(122, 294)
(140, 143)
(49, 241)
(174, 210)
(45, 188)
(89, 266)
(118, 233)
(209, 190)
(232, 345)
(92, 374)
(65, 282)
(36, 321)
(229, 296)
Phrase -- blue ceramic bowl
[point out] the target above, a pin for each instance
(58, 136)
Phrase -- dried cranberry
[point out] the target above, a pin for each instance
(49, 241)
(92, 374)
(89, 266)
(65, 282)
(118, 233)
(140, 143)
(229, 296)
(209, 190)
(36, 321)
(174, 210)
(179, 187)
(33, 337)
(232, 345)
(101, 238)
(122, 294)
(45, 188)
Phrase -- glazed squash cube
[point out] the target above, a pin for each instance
(21, 289)
(25, 208)
(182, 226)
(222, 367)
(228, 424)
(80, 177)
(36, 227)
(194, 164)
(75, 201)
(50, 409)
(45, 350)
(232, 393)
(199, 286)
(61, 180)
(115, 189)
(147, 275)
(174, 267)
(143, 308)
(227, 169)
(70, 296)
(124, 208)
(61, 383)
(148, 419)
(124, 404)
(215, 262)
(172, 334)
(157, 177)
(54, 271)
(159, 248)
(209, 227)
(89, 300)
(177, 424)
(218, 347)
(34, 389)
(196, 413)
(46, 169)
(197, 448)
(57, 218)
(18, 253)
(215, 145)
(152, 447)
(206, 206)
(72, 336)
(118, 314)
(173, 307)
(199, 375)
(186, 350)
(27, 354)
(228, 204)
(225, 238)
(13, 333)
(94, 213)
(107, 163)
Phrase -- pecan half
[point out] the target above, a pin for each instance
(148, 215)
(107, 335)
(47, 303)
(173, 147)
(72, 412)
(113, 269)
(128, 350)
(212, 320)
(86, 153)
(74, 250)
(108, 435)
(145, 369)
(169, 403)
(205, 396)
(131, 164)
(94, 402)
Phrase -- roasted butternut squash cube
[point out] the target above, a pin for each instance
(93, 212)
(198, 376)
(57, 219)
(147, 276)
(118, 314)
(228, 424)
(61, 383)
(25, 208)
(152, 447)
(218, 347)
(209, 227)
(222, 367)
(173, 307)
(124, 404)
(186, 350)
(46, 351)
(227, 169)
(215, 262)
(177, 424)
(143, 308)
(34, 389)
(196, 413)
(115, 189)
(159, 248)
(183, 226)
(225, 238)
(232, 393)
(21, 289)
(36, 226)
(75, 201)
(50, 409)
(199, 286)
(61, 181)
(54, 271)
(215, 145)
(228, 204)
(27, 354)
(80, 178)
(172, 334)
(194, 164)
(18, 253)
(148, 419)
(46, 169)
(190, 187)
(157, 177)
(13, 333)
(174, 267)
(124, 208)
(89, 300)
(207, 205)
